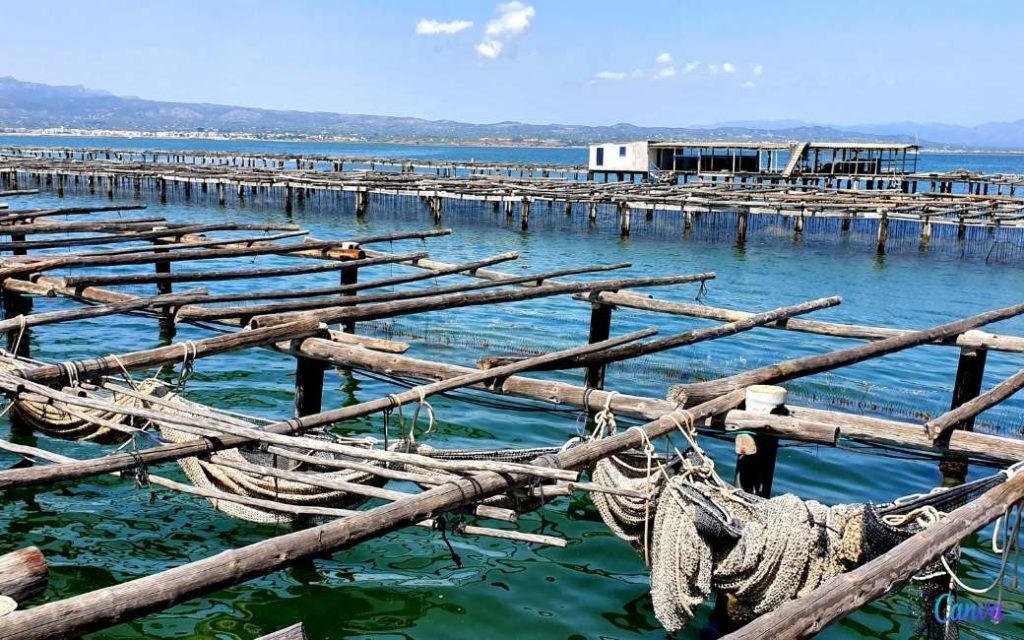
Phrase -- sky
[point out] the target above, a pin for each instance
(651, 63)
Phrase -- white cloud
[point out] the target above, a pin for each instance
(665, 73)
(513, 19)
(728, 68)
(758, 69)
(611, 75)
(690, 67)
(489, 49)
(664, 58)
(714, 69)
(749, 84)
(434, 28)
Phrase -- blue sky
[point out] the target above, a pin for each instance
(649, 63)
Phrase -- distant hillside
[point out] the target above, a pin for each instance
(26, 105)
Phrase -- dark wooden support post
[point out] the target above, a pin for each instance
(624, 215)
(362, 202)
(883, 232)
(970, 371)
(756, 454)
(349, 275)
(524, 205)
(16, 304)
(755, 463)
(167, 326)
(741, 225)
(288, 199)
(309, 386)
(600, 330)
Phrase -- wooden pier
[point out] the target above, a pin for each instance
(959, 213)
(344, 479)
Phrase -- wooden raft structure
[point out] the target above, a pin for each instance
(984, 216)
(231, 459)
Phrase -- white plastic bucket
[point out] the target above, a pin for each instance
(763, 398)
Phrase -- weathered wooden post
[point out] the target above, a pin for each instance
(167, 327)
(309, 386)
(756, 455)
(600, 330)
(524, 206)
(970, 371)
(362, 202)
(624, 214)
(23, 574)
(349, 275)
(741, 225)
(288, 199)
(883, 231)
(926, 232)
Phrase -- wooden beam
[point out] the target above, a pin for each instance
(116, 462)
(80, 614)
(940, 426)
(392, 309)
(24, 574)
(93, 367)
(799, 367)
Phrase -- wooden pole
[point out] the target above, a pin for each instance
(349, 278)
(393, 309)
(24, 574)
(799, 367)
(940, 426)
(13, 325)
(970, 372)
(248, 311)
(309, 386)
(95, 367)
(117, 462)
(600, 329)
(81, 614)
(230, 274)
(359, 286)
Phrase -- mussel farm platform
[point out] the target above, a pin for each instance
(959, 213)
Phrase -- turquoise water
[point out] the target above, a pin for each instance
(405, 585)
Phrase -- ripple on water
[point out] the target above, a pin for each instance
(406, 585)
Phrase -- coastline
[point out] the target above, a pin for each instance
(480, 142)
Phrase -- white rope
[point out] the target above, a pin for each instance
(71, 371)
(416, 415)
(22, 326)
(127, 376)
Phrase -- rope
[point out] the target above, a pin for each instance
(416, 416)
(187, 363)
(22, 326)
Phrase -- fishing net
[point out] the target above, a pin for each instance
(699, 534)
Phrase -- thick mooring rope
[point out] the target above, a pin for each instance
(708, 535)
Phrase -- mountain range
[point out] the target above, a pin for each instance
(33, 106)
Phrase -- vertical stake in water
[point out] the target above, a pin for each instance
(600, 330)
(970, 372)
(756, 455)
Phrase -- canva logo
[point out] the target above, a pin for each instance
(948, 610)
